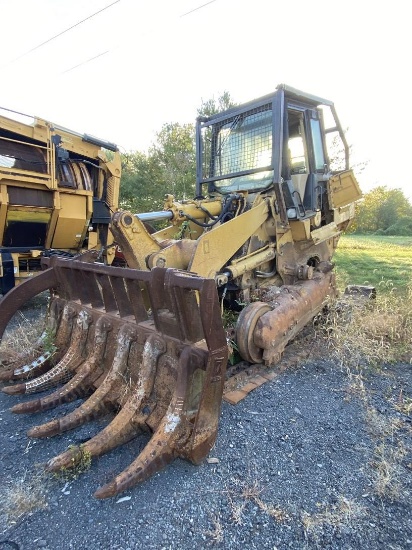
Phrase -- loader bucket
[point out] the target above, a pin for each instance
(148, 345)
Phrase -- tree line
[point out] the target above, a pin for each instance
(169, 166)
(384, 211)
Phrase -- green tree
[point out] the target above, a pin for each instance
(380, 209)
(141, 188)
(175, 153)
(213, 106)
(168, 167)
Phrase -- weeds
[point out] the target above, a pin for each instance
(185, 231)
(81, 462)
(48, 341)
(234, 355)
(229, 319)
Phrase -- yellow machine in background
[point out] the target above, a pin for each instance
(58, 190)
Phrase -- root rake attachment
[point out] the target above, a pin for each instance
(149, 346)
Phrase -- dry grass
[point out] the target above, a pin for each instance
(345, 513)
(240, 492)
(404, 403)
(22, 497)
(380, 426)
(356, 386)
(216, 533)
(275, 512)
(361, 332)
(387, 471)
(387, 475)
(387, 479)
(19, 340)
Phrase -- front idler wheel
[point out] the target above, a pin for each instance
(245, 328)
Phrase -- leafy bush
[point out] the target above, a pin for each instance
(402, 227)
(380, 209)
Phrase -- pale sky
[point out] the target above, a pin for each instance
(124, 72)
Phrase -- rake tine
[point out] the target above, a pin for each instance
(82, 382)
(62, 371)
(128, 422)
(29, 367)
(161, 449)
(100, 401)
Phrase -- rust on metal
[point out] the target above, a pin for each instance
(149, 345)
(265, 328)
(19, 295)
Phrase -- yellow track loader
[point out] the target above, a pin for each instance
(58, 189)
(148, 341)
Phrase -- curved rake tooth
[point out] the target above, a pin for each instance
(64, 368)
(157, 454)
(99, 402)
(74, 389)
(127, 424)
(6, 375)
(16, 389)
(29, 370)
(162, 447)
(62, 340)
(30, 367)
(36, 367)
(81, 385)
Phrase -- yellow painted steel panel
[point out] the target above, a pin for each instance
(71, 225)
(343, 189)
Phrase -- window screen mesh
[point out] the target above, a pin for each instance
(241, 144)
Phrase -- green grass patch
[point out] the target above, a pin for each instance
(381, 261)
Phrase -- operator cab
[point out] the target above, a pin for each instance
(276, 141)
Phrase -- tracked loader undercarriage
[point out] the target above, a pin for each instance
(149, 342)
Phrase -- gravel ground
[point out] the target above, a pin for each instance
(317, 458)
